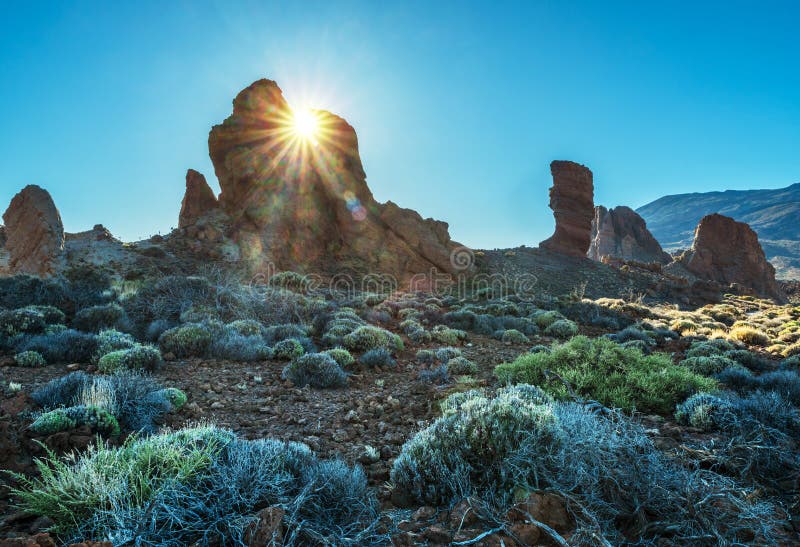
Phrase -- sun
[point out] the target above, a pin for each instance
(305, 124)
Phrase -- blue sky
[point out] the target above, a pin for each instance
(459, 106)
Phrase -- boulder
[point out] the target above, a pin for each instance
(198, 201)
(302, 203)
(34, 233)
(728, 252)
(572, 202)
(621, 233)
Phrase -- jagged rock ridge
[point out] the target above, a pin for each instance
(198, 201)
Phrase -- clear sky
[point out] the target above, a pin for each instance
(459, 106)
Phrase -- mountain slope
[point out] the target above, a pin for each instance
(773, 214)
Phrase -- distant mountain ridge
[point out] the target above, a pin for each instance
(773, 214)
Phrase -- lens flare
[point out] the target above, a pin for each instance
(305, 124)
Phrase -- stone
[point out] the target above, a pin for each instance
(37, 540)
(572, 202)
(728, 252)
(621, 233)
(267, 530)
(546, 508)
(34, 233)
(304, 204)
(198, 201)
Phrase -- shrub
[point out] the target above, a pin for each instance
(22, 290)
(88, 285)
(342, 357)
(245, 327)
(51, 314)
(513, 336)
(562, 329)
(748, 359)
(475, 439)
(437, 375)
(707, 348)
(112, 340)
(137, 402)
(21, 321)
(156, 328)
(783, 382)
(278, 333)
(544, 319)
(202, 486)
(369, 337)
(708, 366)
(630, 334)
(425, 356)
(496, 448)
(166, 297)
(447, 353)
(190, 340)
(63, 419)
(138, 357)
(461, 366)
(31, 359)
(445, 335)
(67, 346)
(288, 349)
(315, 369)
(378, 357)
(97, 318)
(749, 335)
(239, 347)
(613, 375)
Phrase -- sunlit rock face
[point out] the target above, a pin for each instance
(621, 233)
(727, 251)
(34, 233)
(572, 202)
(302, 202)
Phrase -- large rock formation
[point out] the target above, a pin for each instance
(621, 233)
(34, 233)
(728, 252)
(303, 203)
(572, 202)
(198, 201)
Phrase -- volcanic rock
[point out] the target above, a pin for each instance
(728, 252)
(34, 233)
(572, 202)
(303, 203)
(621, 233)
(198, 201)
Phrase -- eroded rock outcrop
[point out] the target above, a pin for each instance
(572, 202)
(198, 201)
(621, 233)
(728, 252)
(304, 204)
(34, 233)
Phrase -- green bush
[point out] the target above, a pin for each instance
(245, 327)
(513, 336)
(112, 340)
(30, 359)
(51, 314)
(201, 486)
(544, 319)
(707, 348)
(138, 357)
(342, 357)
(190, 340)
(21, 321)
(97, 318)
(562, 329)
(446, 335)
(609, 373)
(476, 436)
(288, 349)
(369, 337)
(458, 366)
(315, 369)
(64, 419)
(708, 366)
(425, 356)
